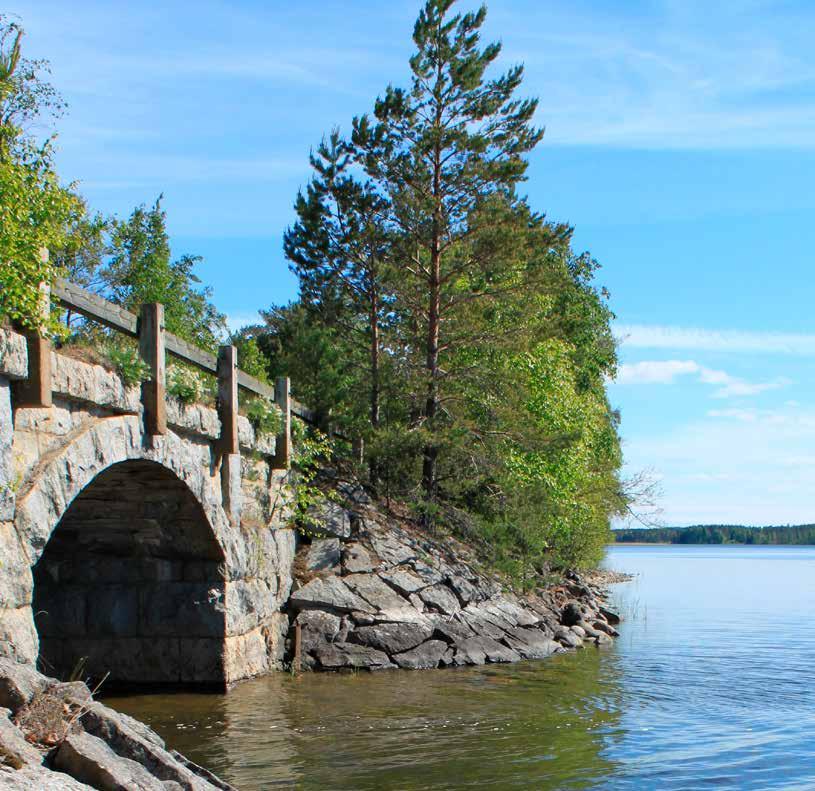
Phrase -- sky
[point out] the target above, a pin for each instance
(680, 144)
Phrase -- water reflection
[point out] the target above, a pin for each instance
(532, 725)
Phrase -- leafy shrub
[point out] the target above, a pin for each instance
(128, 364)
(264, 415)
(185, 384)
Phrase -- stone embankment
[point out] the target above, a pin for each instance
(54, 736)
(371, 592)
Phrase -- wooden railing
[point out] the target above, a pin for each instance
(154, 345)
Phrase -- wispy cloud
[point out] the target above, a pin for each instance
(651, 336)
(668, 371)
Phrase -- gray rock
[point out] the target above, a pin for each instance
(477, 650)
(612, 617)
(390, 550)
(392, 638)
(531, 643)
(356, 559)
(329, 519)
(451, 630)
(463, 588)
(428, 574)
(578, 630)
(571, 614)
(515, 611)
(378, 594)
(356, 494)
(423, 657)
(323, 554)
(338, 656)
(566, 637)
(15, 751)
(18, 684)
(441, 599)
(316, 628)
(404, 581)
(131, 739)
(39, 778)
(328, 593)
(480, 626)
(602, 626)
(88, 759)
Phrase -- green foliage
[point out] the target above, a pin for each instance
(140, 271)
(187, 384)
(34, 207)
(264, 415)
(449, 324)
(719, 534)
(311, 451)
(250, 357)
(125, 359)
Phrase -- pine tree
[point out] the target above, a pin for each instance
(438, 153)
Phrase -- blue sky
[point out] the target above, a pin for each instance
(680, 143)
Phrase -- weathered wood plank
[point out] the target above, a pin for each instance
(282, 459)
(35, 390)
(96, 308)
(184, 350)
(228, 399)
(151, 348)
(255, 386)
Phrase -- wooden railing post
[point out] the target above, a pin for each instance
(282, 397)
(35, 391)
(228, 398)
(151, 348)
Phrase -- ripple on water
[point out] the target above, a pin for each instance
(708, 687)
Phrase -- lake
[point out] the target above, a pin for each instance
(710, 685)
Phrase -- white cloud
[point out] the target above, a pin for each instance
(667, 371)
(652, 336)
(237, 321)
(655, 371)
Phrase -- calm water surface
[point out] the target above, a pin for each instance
(711, 685)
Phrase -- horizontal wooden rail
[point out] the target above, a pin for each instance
(96, 308)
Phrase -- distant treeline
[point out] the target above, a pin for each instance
(719, 534)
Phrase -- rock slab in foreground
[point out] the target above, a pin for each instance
(54, 736)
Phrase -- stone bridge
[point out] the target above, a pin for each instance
(139, 536)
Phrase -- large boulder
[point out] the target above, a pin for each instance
(377, 593)
(392, 638)
(531, 643)
(423, 657)
(329, 593)
(477, 650)
(348, 656)
(90, 760)
(441, 599)
(403, 581)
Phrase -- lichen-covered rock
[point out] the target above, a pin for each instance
(403, 581)
(376, 592)
(13, 355)
(531, 643)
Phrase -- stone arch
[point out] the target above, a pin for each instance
(165, 620)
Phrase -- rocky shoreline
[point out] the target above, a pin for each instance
(373, 592)
(54, 736)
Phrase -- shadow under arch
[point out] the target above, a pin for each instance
(131, 583)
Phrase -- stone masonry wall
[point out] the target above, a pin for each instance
(48, 457)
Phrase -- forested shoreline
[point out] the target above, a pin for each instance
(719, 534)
(441, 318)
